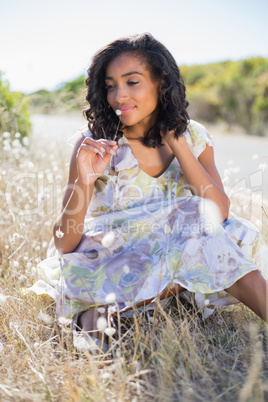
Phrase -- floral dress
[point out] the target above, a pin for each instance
(143, 234)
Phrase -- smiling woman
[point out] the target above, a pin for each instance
(130, 230)
(154, 70)
(131, 90)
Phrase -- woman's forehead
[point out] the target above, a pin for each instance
(124, 63)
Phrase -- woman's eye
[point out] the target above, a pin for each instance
(110, 86)
(132, 83)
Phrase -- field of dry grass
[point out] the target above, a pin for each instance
(169, 355)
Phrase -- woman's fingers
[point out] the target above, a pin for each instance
(94, 156)
(101, 146)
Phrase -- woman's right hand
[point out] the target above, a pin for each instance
(93, 157)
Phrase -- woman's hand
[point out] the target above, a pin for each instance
(93, 157)
(170, 138)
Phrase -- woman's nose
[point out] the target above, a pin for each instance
(121, 94)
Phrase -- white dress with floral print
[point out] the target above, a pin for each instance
(142, 234)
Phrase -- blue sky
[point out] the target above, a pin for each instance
(46, 42)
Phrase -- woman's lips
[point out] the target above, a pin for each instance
(126, 109)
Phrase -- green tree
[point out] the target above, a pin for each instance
(233, 91)
(14, 114)
(69, 96)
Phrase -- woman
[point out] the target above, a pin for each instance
(128, 231)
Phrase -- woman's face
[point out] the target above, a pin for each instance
(131, 90)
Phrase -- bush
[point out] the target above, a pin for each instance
(235, 92)
(14, 114)
(68, 97)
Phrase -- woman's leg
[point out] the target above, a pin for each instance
(90, 340)
(252, 291)
(88, 320)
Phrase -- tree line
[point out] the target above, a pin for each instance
(235, 92)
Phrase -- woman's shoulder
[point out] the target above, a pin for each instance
(197, 137)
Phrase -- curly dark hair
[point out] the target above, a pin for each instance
(172, 115)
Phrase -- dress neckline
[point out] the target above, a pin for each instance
(125, 140)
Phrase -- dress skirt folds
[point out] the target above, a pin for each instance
(143, 234)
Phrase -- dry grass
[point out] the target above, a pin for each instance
(170, 354)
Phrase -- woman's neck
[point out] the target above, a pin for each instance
(139, 130)
(133, 135)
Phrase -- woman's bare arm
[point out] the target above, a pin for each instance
(201, 174)
(86, 166)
